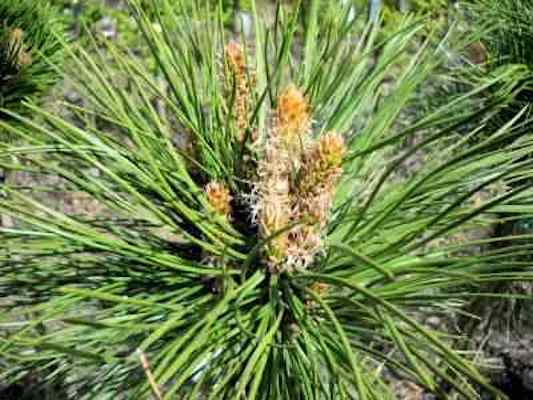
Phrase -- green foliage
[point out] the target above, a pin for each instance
(155, 273)
(507, 39)
(83, 17)
(428, 6)
(423, 7)
(28, 45)
(508, 29)
(435, 11)
(506, 35)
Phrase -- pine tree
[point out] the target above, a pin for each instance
(280, 253)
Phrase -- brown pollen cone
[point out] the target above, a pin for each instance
(291, 124)
(274, 204)
(312, 197)
(237, 66)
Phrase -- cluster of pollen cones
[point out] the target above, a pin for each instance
(295, 179)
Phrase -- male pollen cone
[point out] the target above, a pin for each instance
(219, 198)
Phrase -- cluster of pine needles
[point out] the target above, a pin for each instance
(282, 251)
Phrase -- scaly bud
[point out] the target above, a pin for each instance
(16, 48)
(15, 36)
(319, 288)
(219, 198)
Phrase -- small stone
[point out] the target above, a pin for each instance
(73, 97)
(107, 27)
(434, 322)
